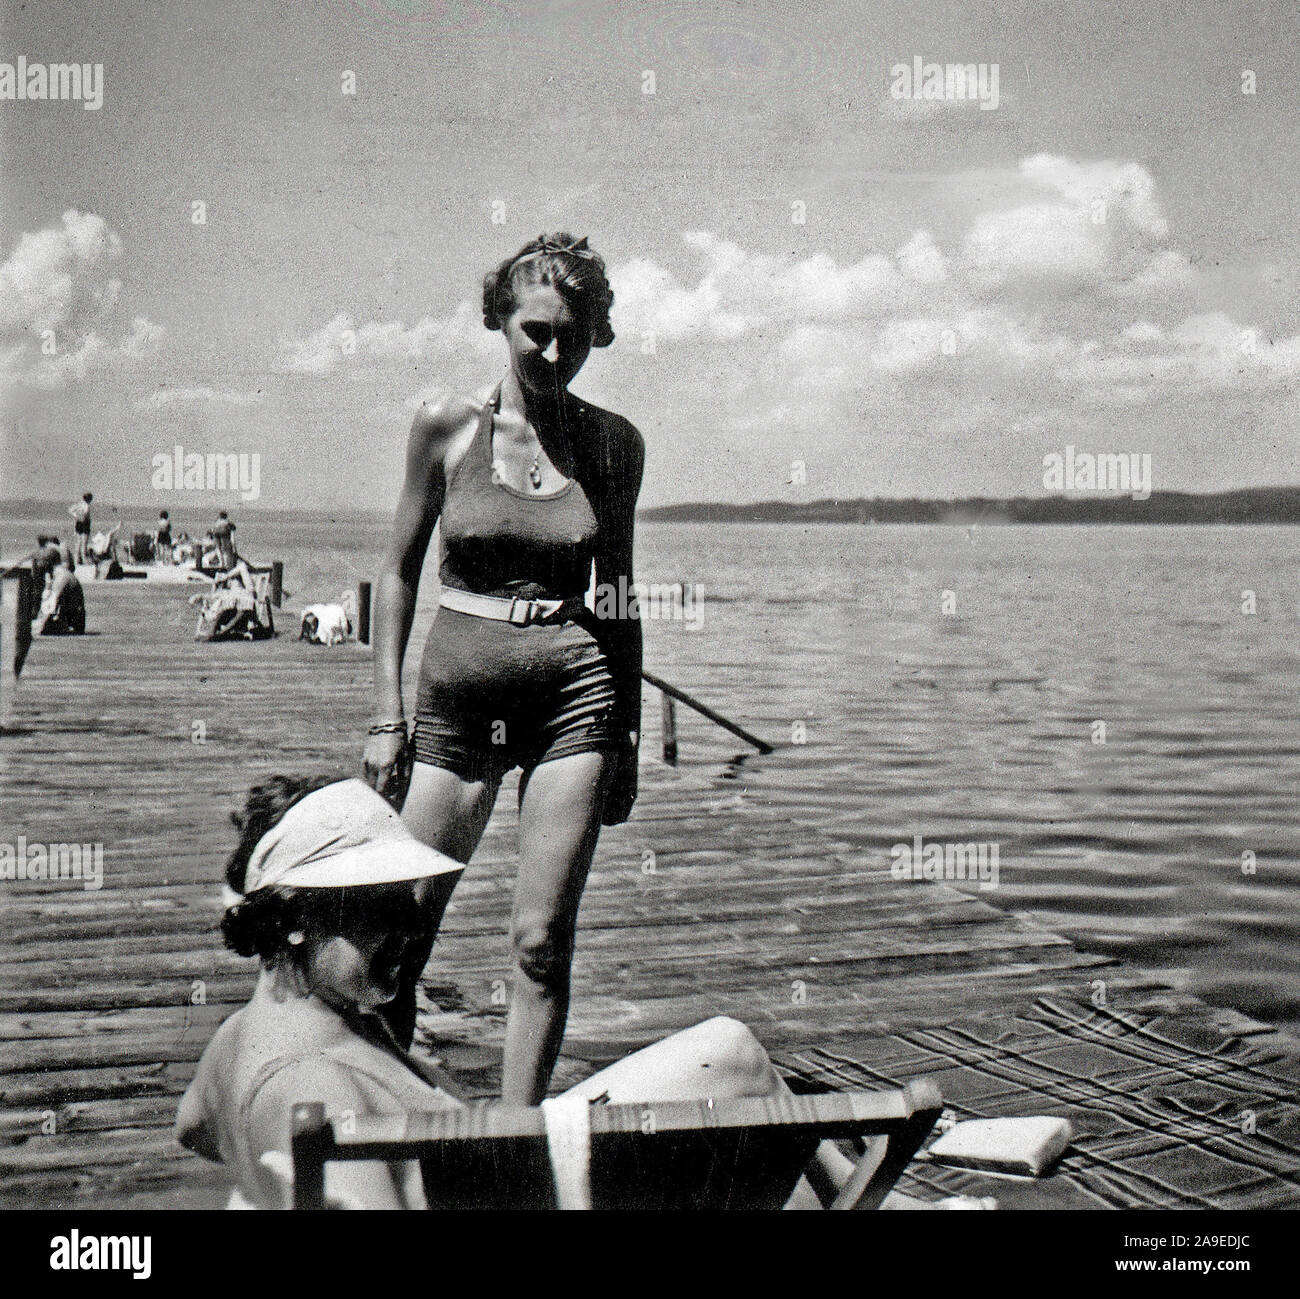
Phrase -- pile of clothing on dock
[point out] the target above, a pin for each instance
(235, 613)
(329, 624)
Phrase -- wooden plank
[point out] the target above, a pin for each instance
(750, 896)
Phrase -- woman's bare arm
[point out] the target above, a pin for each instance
(621, 636)
(434, 440)
(434, 434)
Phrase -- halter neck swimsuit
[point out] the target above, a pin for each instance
(493, 695)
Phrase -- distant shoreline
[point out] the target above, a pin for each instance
(1246, 505)
(1243, 505)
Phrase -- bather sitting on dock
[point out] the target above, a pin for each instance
(63, 603)
(103, 554)
(332, 888)
(238, 574)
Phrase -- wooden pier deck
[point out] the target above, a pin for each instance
(710, 901)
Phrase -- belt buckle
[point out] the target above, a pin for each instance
(528, 612)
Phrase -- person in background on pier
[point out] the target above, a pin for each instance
(328, 889)
(162, 539)
(223, 534)
(80, 511)
(102, 544)
(103, 553)
(63, 603)
(50, 554)
(531, 487)
(238, 574)
(228, 567)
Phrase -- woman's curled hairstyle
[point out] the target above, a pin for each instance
(568, 266)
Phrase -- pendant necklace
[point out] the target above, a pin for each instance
(535, 473)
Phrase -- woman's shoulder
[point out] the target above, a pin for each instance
(344, 1074)
(294, 1079)
(273, 1060)
(442, 431)
(206, 1096)
(618, 440)
(612, 425)
(445, 417)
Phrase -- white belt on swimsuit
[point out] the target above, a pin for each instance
(519, 612)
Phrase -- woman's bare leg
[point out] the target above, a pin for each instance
(560, 805)
(719, 1058)
(722, 1059)
(449, 814)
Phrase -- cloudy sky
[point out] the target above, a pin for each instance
(912, 297)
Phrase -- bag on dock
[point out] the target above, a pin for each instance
(235, 615)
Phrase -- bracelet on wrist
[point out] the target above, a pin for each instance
(387, 728)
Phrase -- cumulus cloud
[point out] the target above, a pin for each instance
(1124, 187)
(343, 342)
(1039, 241)
(59, 274)
(57, 299)
(1070, 291)
(89, 353)
(1063, 287)
(1096, 223)
(197, 396)
(1208, 352)
(739, 293)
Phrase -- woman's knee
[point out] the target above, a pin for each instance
(543, 950)
(735, 1050)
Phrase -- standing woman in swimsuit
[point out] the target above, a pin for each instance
(532, 488)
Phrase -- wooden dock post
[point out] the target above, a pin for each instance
(669, 715)
(363, 613)
(277, 582)
(17, 591)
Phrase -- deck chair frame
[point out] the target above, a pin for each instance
(887, 1127)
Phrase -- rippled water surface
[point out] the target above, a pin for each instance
(979, 724)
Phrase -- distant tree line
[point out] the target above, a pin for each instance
(1243, 505)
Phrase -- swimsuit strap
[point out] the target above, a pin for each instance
(482, 437)
(572, 435)
(484, 433)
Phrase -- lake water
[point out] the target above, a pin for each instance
(948, 683)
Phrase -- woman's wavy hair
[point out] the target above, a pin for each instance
(260, 923)
(568, 266)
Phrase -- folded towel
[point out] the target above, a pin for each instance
(326, 624)
(1026, 1146)
(568, 1139)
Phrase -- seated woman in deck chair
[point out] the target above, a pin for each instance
(332, 889)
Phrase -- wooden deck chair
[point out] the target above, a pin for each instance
(726, 1154)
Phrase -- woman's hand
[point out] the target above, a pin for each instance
(621, 792)
(386, 765)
